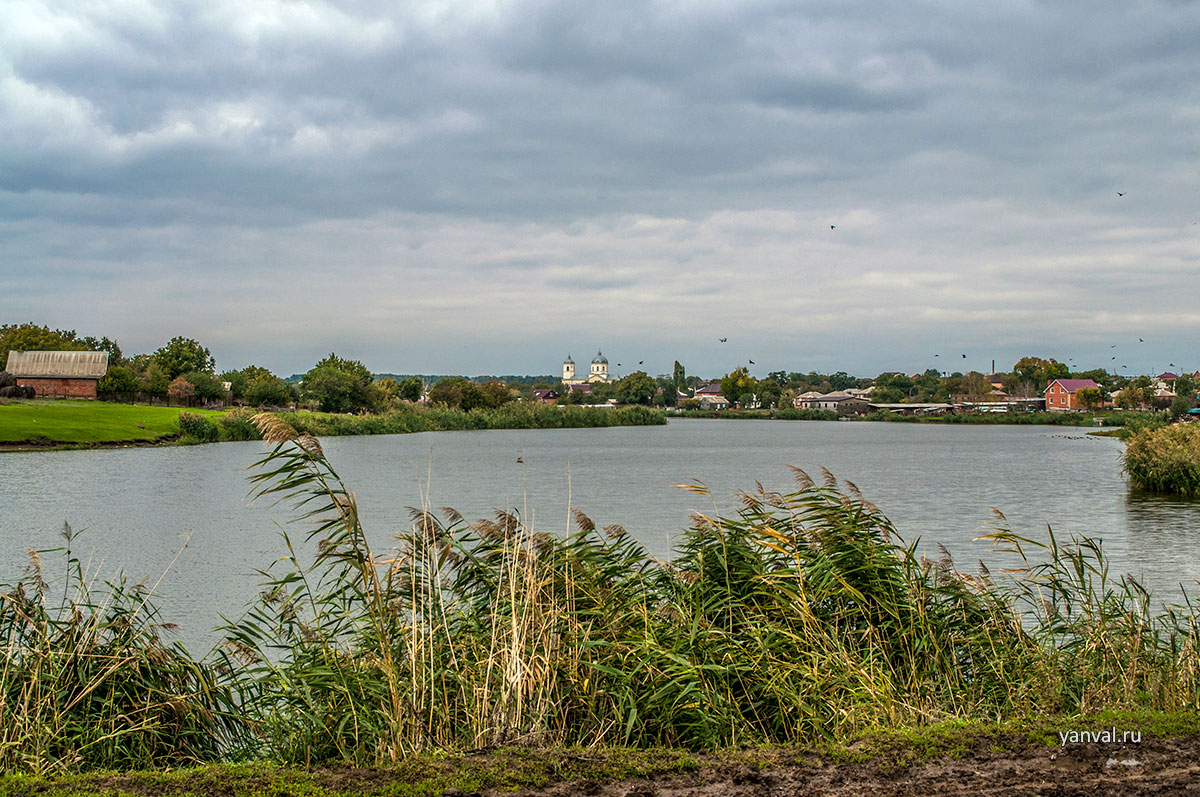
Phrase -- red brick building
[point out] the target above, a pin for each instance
(1061, 394)
(59, 374)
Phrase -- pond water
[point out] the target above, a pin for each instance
(137, 507)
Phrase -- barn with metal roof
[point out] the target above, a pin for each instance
(59, 374)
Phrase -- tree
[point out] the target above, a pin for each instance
(184, 355)
(1090, 398)
(269, 390)
(180, 391)
(154, 380)
(119, 379)
(679, 377)
(339, 385)
(410, 389)
(637, 388)
(456, 392)
(738, 384)
(1039, 372)
(1130, 397)
(495, 394)
(206, 386)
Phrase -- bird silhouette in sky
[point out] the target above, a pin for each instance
(1113, 358)
(937, 355)
(722, 340)
(1113, 346)
(832, 227)
(1141, 341)
(964, 356)
(1171, 364)
(752, 362)
(1120, 193)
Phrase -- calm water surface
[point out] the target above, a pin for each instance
(136, 507)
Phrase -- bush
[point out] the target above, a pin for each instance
(1165, 460)
(197, 427)
(236, 425)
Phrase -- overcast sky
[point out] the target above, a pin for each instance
(484, 187)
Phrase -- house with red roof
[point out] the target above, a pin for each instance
(1061, 394)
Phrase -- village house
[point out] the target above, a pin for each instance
(840, 401)
(710, 398)
(1061, 394)
(546, 396)
(59, 374)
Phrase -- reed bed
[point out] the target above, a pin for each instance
(1165, 460)
(800, 616)
(88, 681)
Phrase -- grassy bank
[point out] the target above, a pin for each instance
(83, 423)
(802, 617)
(86, 422)
(1165, 460)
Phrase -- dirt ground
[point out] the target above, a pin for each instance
(1155, 767)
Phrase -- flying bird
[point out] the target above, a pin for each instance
(641, 361)
(1171, 364)
(1120, 193)
(722, 340)
(520, 460)
(1113, 346)
(752, 362)
(964, 356)
(832, 227)
(937, 355)
(1141, 341)
(1112, 358)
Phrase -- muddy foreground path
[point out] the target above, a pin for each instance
(1154, 767)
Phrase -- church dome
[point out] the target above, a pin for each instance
(599, 359)
(568, 360)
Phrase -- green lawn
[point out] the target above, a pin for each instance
(85, 422)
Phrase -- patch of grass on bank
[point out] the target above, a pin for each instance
(785, 414)
(84, 422)
(1165, 460)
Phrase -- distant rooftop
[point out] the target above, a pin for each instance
(58, 364)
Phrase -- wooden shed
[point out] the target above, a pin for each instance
(59, 374)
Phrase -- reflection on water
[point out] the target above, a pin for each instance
(1167, 530)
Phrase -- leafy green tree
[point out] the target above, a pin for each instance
(339, 385)
(738, 385)
(206, 386)
(495, 394)
(1180, 405)
(637, 388)
(1090, 398)
(154, 380)
(891, 388)
(269, 390)
(1038, 372)
(679, 377)
(183, 355)
(1130, 397)
(119, 379)
(411, 388)
(457, 393)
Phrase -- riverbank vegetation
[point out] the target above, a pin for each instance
(800, 617)
(1165, 460)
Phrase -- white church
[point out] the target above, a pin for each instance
(597, 375)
